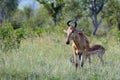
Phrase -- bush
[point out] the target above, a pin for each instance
(117, 34)
(9, 38)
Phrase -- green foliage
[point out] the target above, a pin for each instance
(104, 41)
(54, 8)
(20, 34)
(6, 38)
(42, 18)
(117, 35)
(9, 38)
(84, 25)
(111, 12)
(73, 8)
(28, 12)
(32, 24)
(7, 8)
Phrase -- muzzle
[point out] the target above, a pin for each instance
(67, 42)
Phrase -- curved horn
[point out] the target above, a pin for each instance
(69, 22)
(75, 21)
(75, 24)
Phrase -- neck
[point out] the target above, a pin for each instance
(77, 40)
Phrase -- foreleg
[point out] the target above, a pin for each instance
(76, 60)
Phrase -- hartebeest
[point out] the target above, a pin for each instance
(96, 49)
(80, 44)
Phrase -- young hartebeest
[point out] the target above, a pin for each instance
(80, 44)
(96, 50)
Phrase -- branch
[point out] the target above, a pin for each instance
(100, 7)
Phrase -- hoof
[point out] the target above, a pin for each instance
(76, 66)
(81, 65)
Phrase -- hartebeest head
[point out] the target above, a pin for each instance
(70, 31)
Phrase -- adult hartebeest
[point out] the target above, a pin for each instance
(80, 44)
(96, 49)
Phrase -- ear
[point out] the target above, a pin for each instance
(64, 31)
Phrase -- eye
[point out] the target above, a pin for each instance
(72, 31)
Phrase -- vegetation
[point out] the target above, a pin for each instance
(48, 58)
(32, 42)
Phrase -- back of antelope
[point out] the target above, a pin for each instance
(98, 50)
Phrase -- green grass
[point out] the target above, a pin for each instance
(48, 58)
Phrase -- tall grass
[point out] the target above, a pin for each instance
(48, 58)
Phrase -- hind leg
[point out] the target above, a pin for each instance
(101, 59)
(89, 59)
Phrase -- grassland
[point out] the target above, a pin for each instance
(48, 58)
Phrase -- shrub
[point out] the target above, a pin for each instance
(117, 35)
(9, 38)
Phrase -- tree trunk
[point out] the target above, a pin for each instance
(95, 23)
(1, 15)
(55, 20)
